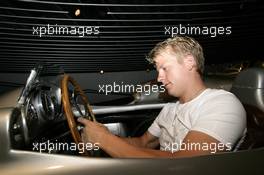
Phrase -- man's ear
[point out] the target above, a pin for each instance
(189, 62)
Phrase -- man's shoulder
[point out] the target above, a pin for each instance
(221, 97)
(219, 94)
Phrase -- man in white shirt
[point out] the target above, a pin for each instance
(203, 121)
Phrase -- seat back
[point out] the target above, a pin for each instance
(249, 89)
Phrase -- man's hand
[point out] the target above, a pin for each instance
(93, 132)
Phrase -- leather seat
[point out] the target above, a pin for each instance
(249, 88)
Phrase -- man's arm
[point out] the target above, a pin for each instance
(147, 140)
(116, 147)
(120, 148)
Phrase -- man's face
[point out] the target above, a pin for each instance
(171, 73)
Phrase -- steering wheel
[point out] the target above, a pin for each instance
(73, 97)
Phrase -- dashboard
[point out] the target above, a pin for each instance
(38, 109)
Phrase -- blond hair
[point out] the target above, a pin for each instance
(180, 45)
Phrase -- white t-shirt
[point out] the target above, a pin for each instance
(217, 113)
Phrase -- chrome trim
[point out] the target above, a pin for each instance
(117, 109)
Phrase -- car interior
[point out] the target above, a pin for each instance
(46, 120)
(41, 116)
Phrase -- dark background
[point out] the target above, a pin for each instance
(128, 30)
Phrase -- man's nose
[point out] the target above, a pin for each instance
(160, 76)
